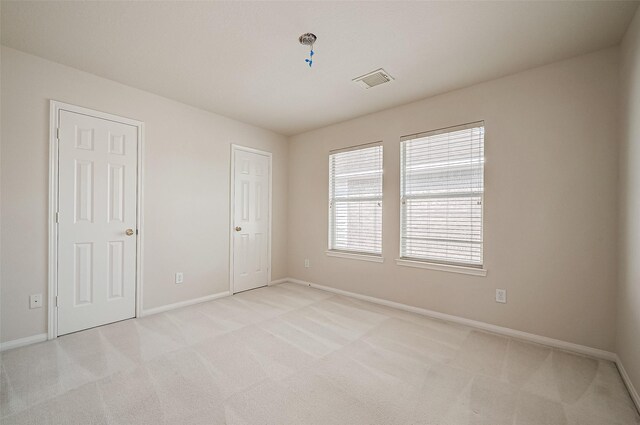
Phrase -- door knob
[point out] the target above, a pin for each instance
(238, 228)
(128, 232)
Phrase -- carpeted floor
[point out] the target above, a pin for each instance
(293, 355)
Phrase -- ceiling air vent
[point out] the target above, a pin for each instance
(372, 79)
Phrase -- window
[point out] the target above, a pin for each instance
(442, 188)
(355, 200)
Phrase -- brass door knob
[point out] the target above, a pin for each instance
(128, 232)
(238, 228)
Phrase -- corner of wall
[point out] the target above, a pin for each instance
(627, 344)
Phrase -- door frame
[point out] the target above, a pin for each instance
(54, 119)
(235, 148)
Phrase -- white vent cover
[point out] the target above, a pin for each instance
(372, 79)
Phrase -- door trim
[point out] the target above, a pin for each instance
(234, 149)
(54, 117)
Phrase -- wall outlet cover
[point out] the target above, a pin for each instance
(501, 296)
(307, 264)
(179, 278)
(35, 301)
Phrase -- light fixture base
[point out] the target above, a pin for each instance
(307, 39)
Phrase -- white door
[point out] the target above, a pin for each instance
(251, 219)
(97, 183)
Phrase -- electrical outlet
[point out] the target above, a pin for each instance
(35, 301)
(501, 296)
(307, 264)
(179, 278)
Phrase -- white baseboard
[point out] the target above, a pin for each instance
(538, 339)
(186, 303)
(278, 281)
(627, 381)
(23, 341)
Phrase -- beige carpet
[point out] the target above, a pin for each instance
(293, 355)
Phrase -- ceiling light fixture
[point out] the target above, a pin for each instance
(307, 39)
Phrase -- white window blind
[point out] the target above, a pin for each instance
(442, 189)
(355, 200)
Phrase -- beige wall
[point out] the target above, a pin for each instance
(628, 335)
(550, 204)
(186, 187)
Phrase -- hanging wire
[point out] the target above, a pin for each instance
(310, 60)
(308, 39)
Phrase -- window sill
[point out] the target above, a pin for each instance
(352, 256)
(441, 267)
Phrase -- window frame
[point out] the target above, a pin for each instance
(353, 254)
(429, 263)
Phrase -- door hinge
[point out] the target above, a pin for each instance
(58, 217)
(58, 133)
(57, 301)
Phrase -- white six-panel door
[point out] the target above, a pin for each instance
(97, 184)
(250, 220)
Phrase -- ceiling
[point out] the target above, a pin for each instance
(243, 59)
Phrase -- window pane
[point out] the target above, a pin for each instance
(442, 194)
(358, 226)
(445, 218)
(355, 200)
